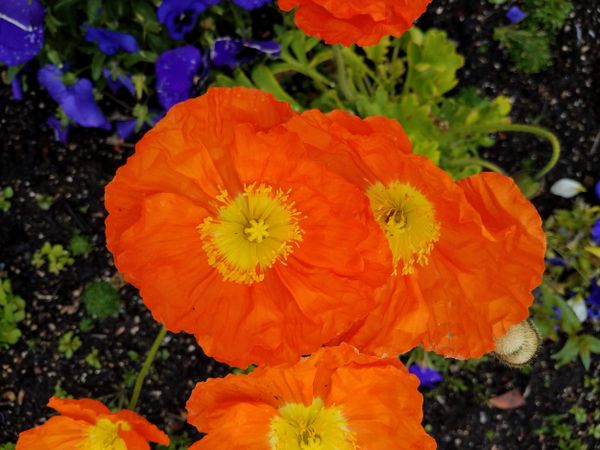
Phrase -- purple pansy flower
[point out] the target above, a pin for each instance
(596, 232)
(60, 133)
(598, 189)
(175, 72)
(21, 30)
(234, 52)
(77, 100)
(122, 80)
(515, 14)
(593, 300)
(556, 262)
(426, 375)
(17, 89)
(110, 42)
(251, 4)
(180, 16)
(125, 128)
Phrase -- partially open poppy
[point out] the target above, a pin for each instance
(336, 399)
(88, 424)
(466, 255)
(231, 233)
(359, 22)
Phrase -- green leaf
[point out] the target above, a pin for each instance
(101, 300)
(93, 9)
(265, 80)
(97, 65)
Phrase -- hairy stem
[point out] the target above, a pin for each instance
(342, 77)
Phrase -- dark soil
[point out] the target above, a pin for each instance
(564, 99)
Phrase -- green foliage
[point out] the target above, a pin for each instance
(101, 300)
(569, 238)
(410, 79)
(12, 311)
(93, 360)
(549, 15)
(5, 195)
(60, 392)
(44, 202)
(529, 49)
(8, 446)
(86, 325)
(56, 256)
(68, 344)
(80, 245)
(529, 43)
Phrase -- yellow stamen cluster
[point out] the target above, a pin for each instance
(250, 233)
(313, 427)
(105, 436)
(408, 220)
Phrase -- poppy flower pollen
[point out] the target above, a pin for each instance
(105, 434)
(310, 427)
(250, 233)
(408, 220)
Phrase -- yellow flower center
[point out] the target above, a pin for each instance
(407, 218)
(105, 436)
(250, 233)
(313, 427)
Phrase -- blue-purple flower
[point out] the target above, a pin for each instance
(515, 14)
(110, 42)
(234, 52)
(77, 100)
(596, 232)
(17, 89)
(118, 81)
(180, 16)
(556, 262)
(60, 133)
(598, 189)
(593, 300)
(251, 4)
(175, 73)
(426, 375)
(21, 30)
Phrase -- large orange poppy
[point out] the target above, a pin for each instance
(231, 233)
(88, 424)
(466, 255)
(337, 398)
(350, 22)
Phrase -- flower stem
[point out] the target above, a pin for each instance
(519, 128)
(145, 368)
(342, 78)
(477, 162)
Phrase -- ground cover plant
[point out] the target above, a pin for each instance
(402, 112)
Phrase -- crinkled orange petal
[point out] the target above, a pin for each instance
(141, 427)
(379, 401)
(58, 433)
(517, 227)
(82, 409)
(360, 22)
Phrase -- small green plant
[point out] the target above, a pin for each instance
(101, 300)
(181, 442)
(68, 344)
(12, 311)
(529, 43)
(86, 325)
(60, 392)
(44, 202)
(80, 245)
(8, 446)
(93, 359)
(573, 265)
(5, 195)
(56, 256)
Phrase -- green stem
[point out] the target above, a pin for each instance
(145, 368)
(519, 128)
(476, 162)
(341, 73)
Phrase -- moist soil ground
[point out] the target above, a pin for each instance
(457, 413)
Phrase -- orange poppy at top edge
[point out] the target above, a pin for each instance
(359, 22)
(466, 255)
(87, 423)
(337, 397)
(233, 234)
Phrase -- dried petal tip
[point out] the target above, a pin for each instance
(519, 345)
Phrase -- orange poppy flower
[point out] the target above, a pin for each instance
(466, 255)
(231, 233)
(359, 22)
(88, 424)
(336, 399)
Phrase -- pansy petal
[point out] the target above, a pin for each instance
(21, 30)
(110, 42)
(175, 72)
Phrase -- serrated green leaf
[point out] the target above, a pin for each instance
(265, 80)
